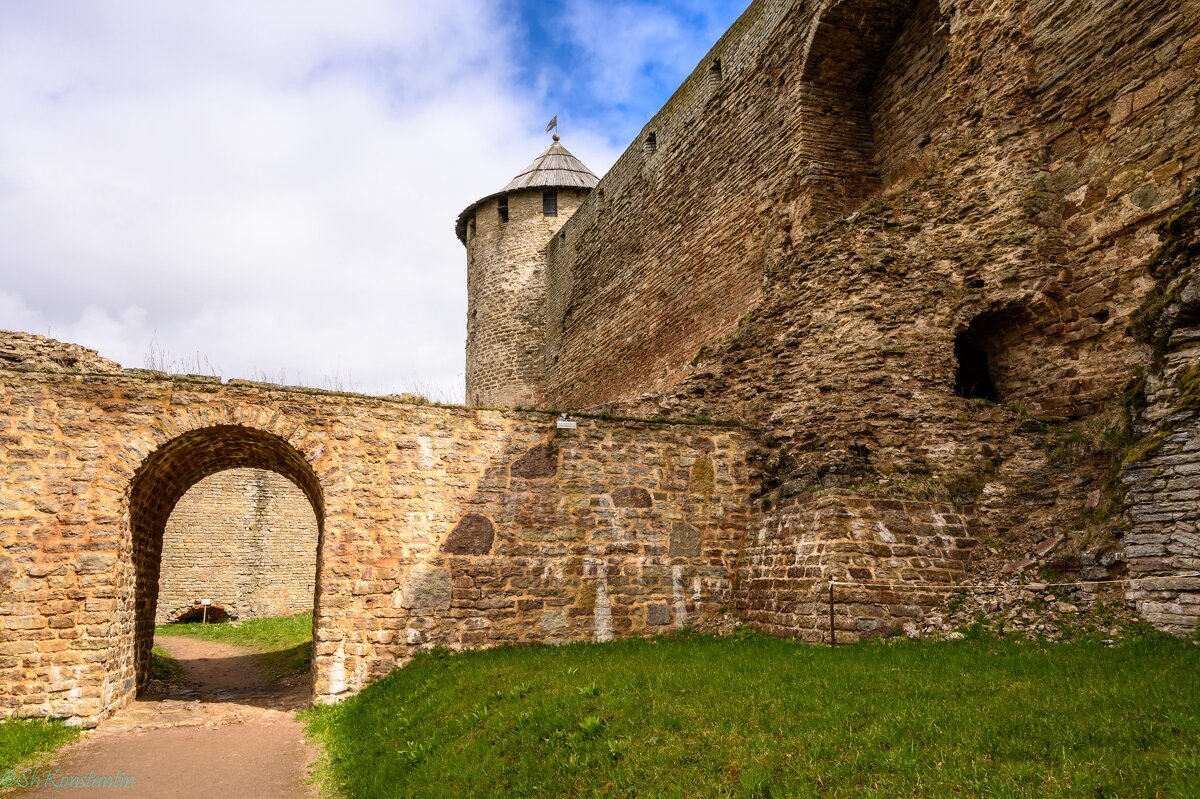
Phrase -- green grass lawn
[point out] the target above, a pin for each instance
(285, 642)
(163, 667)
(762, 717)
(23, 740)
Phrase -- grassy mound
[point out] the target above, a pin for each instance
(762, 717)
(285, 642)
(23, 740)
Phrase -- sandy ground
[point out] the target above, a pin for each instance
(225, 733)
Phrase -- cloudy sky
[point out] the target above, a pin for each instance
(268, 189)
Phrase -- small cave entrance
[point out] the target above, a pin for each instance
(1002, 356)
(212, 614)
(972, 375)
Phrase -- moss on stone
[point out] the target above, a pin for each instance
(1188, 382)
(1179, 241)
(1144, 448)
(703, 477)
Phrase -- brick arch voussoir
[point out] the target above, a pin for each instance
(857, 33)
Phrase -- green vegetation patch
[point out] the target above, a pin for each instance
(753, 716)
(23, 742)
(285, 642)
(163, 667)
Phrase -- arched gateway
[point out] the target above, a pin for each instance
(166, 475)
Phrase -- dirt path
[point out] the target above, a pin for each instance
(225, 733)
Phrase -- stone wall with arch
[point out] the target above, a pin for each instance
(165, 477)
(438, 526)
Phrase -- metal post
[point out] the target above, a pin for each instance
(832, 640)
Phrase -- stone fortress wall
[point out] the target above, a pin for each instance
(850, 208)
(245, 539)
(937, 259)
(1010, 172)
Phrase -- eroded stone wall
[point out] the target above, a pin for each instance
(30, 351)
(1162, 472)
(245, 539)
(893, 550)
(872, 187)
(438, 526)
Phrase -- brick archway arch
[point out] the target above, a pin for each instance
(166, 475)
(172, 456)
(872, 70)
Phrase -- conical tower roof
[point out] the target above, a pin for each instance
(555, 168)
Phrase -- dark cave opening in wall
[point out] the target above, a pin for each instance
(972, 376)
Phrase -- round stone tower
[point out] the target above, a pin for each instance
(506, 235)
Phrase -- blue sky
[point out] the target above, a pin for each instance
(610, 65)
(268, 189)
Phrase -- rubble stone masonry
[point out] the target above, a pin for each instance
(855, 209)
(1162, 472)
(437, 526)
(246, 539)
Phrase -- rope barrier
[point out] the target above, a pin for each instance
(993, 586)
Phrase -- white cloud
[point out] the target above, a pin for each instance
(271, 185)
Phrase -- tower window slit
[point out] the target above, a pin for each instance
(714, 73)
(550, 203)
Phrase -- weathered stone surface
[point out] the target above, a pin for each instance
(244, 538)
(1052, 543)
(94, 564)
(702, 476)
(806, 540)
(424, 590)
(29, 351)
(1017, 566)
(473, 535)
(82, 528)
(658, 615)
(685, 540)
(906, 241)
(1165, 514)
(541, 461)
(631, 497)
(506, 289)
